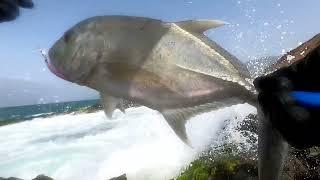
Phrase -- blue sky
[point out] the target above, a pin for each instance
(257, 28)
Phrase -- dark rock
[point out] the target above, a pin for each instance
(249, 128)
(300, 164)
(227, 162)
(10, 178)
(122, 177)
(246, 171)
(92, 108)
(124, 104)
(42, 177)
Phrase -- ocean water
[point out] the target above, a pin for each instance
(90, 146)
(42, 110)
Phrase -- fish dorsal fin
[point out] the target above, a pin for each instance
(240, 66)
(199, 26)
(177, 118)
(109, 104)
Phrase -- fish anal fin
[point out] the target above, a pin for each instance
(199, 26)
(177, 122)
(177, 118)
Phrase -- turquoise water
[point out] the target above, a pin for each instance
(42, 110)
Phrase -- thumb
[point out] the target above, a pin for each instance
(26, 3)
(296, 112)
(8, 10)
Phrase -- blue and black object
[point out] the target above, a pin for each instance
(308, 99)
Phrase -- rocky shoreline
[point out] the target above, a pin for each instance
(43, 177)
(40, 177)
(90, 109)
(228, 161)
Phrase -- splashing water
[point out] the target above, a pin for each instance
(89, 146)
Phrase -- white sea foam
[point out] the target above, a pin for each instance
(90, 146)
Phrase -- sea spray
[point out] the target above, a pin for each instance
(89, 146)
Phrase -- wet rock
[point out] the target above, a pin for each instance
(249, 129)
(302, 164)
(124, 104)
(122, 177)
(227, 162)
(246, 171)
(10, 178)
(42, 177)
(90, 109)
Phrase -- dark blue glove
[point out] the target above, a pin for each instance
(296, 120)
(9, 9)
(307, 99)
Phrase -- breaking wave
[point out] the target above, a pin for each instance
(90, 146)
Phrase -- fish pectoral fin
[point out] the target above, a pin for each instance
(109, 104)
(177, 118)
(199, 26)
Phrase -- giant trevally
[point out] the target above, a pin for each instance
(171, 67)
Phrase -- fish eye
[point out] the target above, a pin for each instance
(67, 36)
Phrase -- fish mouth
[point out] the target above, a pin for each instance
(56, 72)
(53, 69)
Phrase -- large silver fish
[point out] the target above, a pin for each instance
(170, 67)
